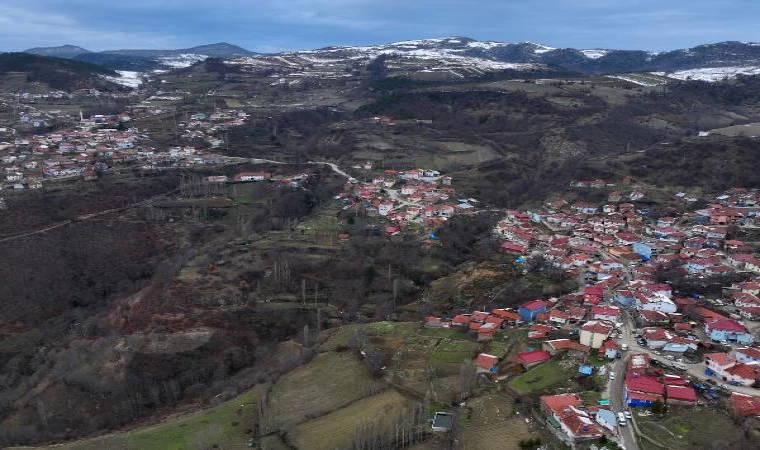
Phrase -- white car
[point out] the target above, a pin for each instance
(628, 415)
(621, 419)
(612, 375)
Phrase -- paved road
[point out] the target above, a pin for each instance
(627, 433)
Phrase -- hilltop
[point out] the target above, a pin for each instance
(57, 73)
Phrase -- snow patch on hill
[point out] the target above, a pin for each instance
(182, 60)
(595, 53)
(128, 78)
(712, 74)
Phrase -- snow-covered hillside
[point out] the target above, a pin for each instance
(711, 74)
(181, 61)
(128, 78)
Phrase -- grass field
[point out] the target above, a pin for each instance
(335, 430)
(492, 424)
(329, 382)
(686, 428)
(224, 426)
(342, 336)
(539, 378)
(448, 333)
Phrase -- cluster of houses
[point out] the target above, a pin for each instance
(740, 369)
(99, 143)
(210, 127)
(645, 385)
(405, 197)
(295, 180)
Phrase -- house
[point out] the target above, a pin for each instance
(727, 330)
(608, 313)
(461, 320)
(486, 331)
(529, 310)
(565, 413)
(556, 346)
(609, 349)
(606, 419)
(485, 363)
(745, 405)
(645, 300)
(539, 331)
(253, 176)
(558, 317)
(657, 337)
(742, 374)
(654, 318)
(637, 364)
(436, 322)
(510, 247)
(747, 355)
(719, 362)
(594, 333)
(642, 391)
(511, 317)
(680, 395)
(576, 314)
(533, 358)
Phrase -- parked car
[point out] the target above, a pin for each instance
(612, 375)
(671, 357)
(628, 414)
(621, 419)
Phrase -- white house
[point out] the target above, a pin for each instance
(594, 332)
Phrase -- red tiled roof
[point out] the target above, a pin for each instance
(533, 357)
(745, 405)
(722, 359)
(646, 384)
(478, 316)
(681, 393)
(486, 361)
(749, 351)
(644, 396)
(557, 403)
(745, 371)
(725, 325)
(605, 310)
(597, 327)
(506, 315)
(462, 319)
(654, 316)
(534, 305)
(496, 320)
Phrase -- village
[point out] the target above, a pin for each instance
(100, 143)
(648, 346)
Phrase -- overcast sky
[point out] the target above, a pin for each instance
(276, 25)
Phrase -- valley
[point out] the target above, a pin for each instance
(315, 249)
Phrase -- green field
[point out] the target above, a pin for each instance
(540, 378)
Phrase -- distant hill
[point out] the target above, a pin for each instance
(219, 50)
(58, 73)
(64, 51)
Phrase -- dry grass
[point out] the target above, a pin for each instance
(493, 425)
(336, 429)
(329, 382)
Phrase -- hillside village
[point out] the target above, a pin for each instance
(102, 142)
(647, 343)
